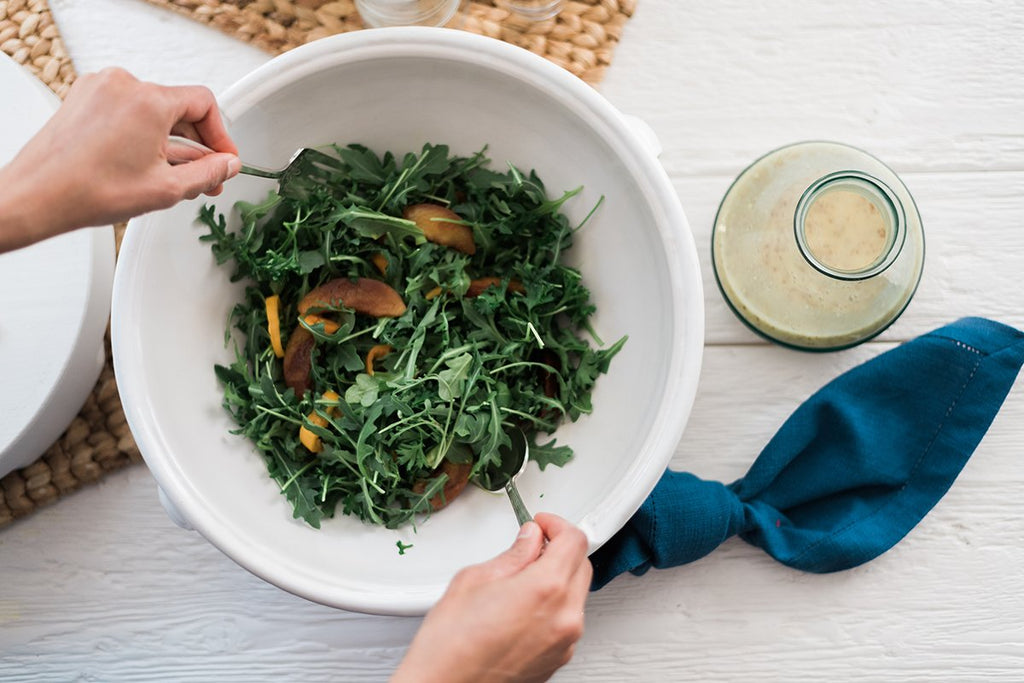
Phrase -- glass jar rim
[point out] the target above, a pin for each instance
(894, 216)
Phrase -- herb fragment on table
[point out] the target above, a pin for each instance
(486, 340)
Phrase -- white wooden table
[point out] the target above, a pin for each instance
(102, 586)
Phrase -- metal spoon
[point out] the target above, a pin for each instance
(503, 474)
(306, 167)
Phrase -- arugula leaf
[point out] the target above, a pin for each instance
(550, 454)
(451, 381)
(364, 391)
(374, 224)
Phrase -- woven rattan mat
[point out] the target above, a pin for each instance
(580, 39)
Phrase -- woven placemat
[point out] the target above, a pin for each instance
(580, 39)
(98, 440)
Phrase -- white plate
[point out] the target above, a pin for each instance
(54, 302)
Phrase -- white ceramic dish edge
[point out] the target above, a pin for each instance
(636, 149)
(93, 252)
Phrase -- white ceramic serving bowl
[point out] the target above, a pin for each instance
(395, 89)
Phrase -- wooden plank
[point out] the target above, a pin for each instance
(923, 85)
(102, 586)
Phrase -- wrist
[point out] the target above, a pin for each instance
(28, 210)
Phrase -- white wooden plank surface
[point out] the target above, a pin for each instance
(103, 587)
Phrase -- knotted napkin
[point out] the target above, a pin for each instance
(850, 473)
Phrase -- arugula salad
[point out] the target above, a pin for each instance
(396, 323)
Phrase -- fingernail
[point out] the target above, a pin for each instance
(234, 166)
(528, 530)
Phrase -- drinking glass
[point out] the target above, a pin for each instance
(534, 10)
(380, 13)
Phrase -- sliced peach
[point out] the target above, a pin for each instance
(377, 351)
(298, 354)
(458, 477)
(441, 225)
(381, 262)
(310, 440)
(548, 377)
(298, 358)
(481, 284)
(272, 304)
(363, 295)
(330, 327)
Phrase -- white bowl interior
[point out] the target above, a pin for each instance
(636, 254)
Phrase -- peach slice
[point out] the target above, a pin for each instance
(298, 358)
(363, 295)
(370, 297)
(272, 304)
(458, 477)
(298, 355)
(311, 441)
(441, 225)
(481, 284)
(376, 352)
(380, 261)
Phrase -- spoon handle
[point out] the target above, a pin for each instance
(522, 514)
(181, 150)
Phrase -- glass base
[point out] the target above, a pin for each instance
(534, 10)
(779, 273)
(384, 13)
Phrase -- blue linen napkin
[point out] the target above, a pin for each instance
(850, 473)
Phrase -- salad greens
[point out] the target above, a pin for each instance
(461, 369)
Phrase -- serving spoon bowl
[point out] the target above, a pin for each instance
(503, 474)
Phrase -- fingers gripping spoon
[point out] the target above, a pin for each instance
(306, 168)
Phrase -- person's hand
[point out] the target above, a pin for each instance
(101, 158)
(516, 617)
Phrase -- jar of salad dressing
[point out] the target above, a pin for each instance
(818, 246)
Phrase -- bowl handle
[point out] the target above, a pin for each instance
(173, 511)
(643, 131)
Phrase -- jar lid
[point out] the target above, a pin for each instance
(818, 246)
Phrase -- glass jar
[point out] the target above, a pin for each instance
(534, 10)
(818, 246)
(381, 13)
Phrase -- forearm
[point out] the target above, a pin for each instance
(101, 158)
(29, 211)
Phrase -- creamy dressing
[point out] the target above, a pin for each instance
(845, 230)
(770, 283)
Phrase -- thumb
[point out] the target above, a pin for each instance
(206, 174)
(524, 550)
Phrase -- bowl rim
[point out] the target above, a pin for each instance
(569, 91)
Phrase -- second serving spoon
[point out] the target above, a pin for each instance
(503, 474)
